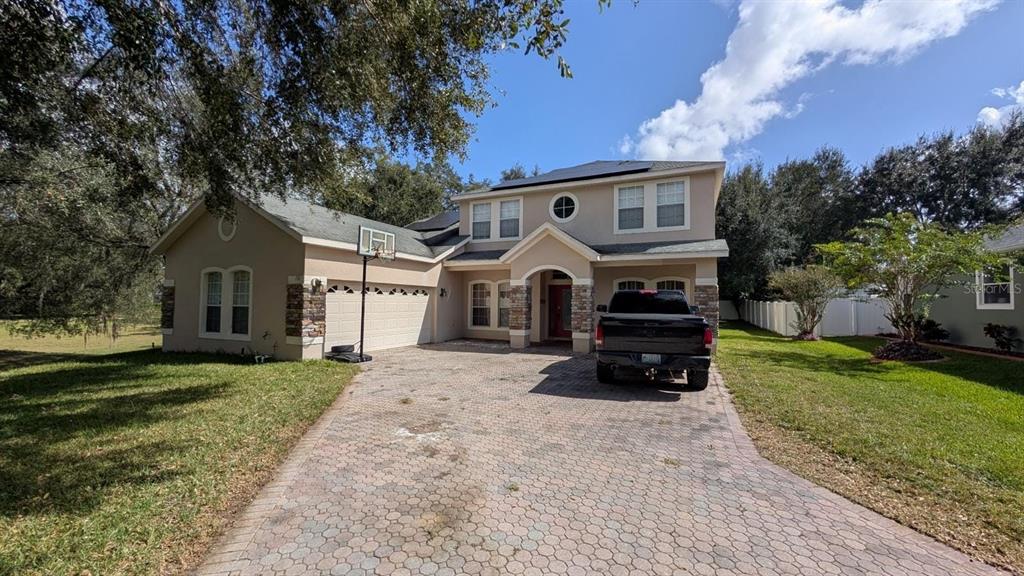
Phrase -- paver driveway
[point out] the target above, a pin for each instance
(469, 459)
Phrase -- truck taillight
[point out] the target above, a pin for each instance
(709, 337)
(599, 336)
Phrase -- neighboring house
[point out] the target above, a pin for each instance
(964, 311)
(525, 261)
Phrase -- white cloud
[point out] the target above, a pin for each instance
(996, 117)
(777, 43)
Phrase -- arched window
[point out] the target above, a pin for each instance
(226, 297)
(630, 284)
(480, 304)
(673, 283)
(504, 304)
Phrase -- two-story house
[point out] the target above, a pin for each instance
(525, 261)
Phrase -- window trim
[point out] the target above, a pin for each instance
(551, 207)
(492, 306)
(227, 289)
(615, 283)
(473, 221)
(651, 206)
(686, 283)
(496, 220)
(979, 297)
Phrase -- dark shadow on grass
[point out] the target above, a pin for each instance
(576, 378)
(74, 432)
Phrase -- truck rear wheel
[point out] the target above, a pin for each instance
(605, 374)
(697, 379)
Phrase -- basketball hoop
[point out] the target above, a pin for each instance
(373, 244)
(376, 243)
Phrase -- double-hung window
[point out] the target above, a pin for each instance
(480, 294)
(508, 225)
(482, 221)
(214, 292)
(995, 289)
(240, 291)
(631, 207)
(227, 303)
(504, 305)
(671, 204)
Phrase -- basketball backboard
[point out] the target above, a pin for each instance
(378, 243)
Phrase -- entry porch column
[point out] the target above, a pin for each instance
(582, 315)
(520, 301)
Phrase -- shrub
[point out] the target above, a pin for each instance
(810, 288)
(1005, 336)
(928, 329)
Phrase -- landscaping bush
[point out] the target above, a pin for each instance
(928, 329)
(905, 351)
(1005, 336)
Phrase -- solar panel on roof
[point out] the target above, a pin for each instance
(581, 172)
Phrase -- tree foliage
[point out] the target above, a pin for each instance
(960, 182)
(810, 288)
(116, 115)
(394, 192)
(906, 262)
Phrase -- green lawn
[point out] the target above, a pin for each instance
(132, 462)
(938, 446)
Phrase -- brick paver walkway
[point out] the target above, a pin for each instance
(469, 459)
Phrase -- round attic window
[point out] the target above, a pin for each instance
(226, 228)
(563, 207)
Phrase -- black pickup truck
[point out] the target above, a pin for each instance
(653, 332)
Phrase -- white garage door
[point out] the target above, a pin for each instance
(395, 315)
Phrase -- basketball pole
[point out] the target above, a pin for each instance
(362, 311)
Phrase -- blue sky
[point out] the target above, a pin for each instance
(861, 93)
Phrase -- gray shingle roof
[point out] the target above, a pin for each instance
(1011, 239)
(671, 247)
(596, 169)
(478, 255)
(435, 222)
(319, 222)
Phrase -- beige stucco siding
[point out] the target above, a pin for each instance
(594, 221)
(468, 278)
(449, 322)
(272, 254)
(605, 278)
(336, 264)
(549, 253)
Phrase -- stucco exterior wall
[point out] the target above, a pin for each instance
(605, 277)
(337, 264)
(480, 333)
(594, 221)
(550, 253)
(957, 312)
(272, 254)
(450, 320)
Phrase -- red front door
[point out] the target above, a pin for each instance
(560, 311)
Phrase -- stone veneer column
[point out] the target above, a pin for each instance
(520, 314)
(705, 295)
(167, 308)
(582, 315)
(305, 311)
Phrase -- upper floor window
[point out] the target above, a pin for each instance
(498, 220)
(226, 312)
(563, 207)
(995, 290)
(509, 223)
(631, 207)
(671, 204)
(652, 207)
(482, 221)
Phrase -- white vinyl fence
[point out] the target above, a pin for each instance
(843, 317)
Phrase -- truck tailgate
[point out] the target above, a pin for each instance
(654, 333)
